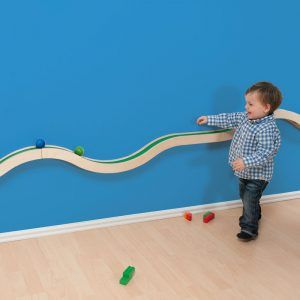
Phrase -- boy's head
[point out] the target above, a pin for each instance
(262, 99)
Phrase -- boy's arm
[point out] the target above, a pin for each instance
(268, 145)
(224, 120)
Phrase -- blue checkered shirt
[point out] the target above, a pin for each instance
(255, 141)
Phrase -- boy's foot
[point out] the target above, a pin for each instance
(245, 236)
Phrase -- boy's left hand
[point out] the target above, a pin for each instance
(238, 165)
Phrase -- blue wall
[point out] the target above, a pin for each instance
(114, 75)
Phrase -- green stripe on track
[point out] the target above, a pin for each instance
(153, 144)
(16, 153)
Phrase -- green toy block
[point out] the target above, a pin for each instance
(127, 275)
(206, 214)
(124, 280)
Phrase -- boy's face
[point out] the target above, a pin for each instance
(255, 108)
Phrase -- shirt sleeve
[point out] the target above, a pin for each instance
(267, 147)
(230, 120)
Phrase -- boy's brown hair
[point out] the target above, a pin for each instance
(269, 94)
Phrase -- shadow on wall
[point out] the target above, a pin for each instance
(221, 181)
(286, 174)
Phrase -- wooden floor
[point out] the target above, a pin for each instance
(174, 259)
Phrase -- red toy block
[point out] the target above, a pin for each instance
(209, 217)
(188, 216)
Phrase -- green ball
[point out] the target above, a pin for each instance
(79, 150)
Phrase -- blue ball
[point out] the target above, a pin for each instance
(40, 143)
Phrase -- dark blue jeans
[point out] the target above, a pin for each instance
(250, 192)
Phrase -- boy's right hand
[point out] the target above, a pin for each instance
(202, 120)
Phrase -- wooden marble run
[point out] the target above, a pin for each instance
(132, 161)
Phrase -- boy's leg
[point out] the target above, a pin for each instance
(259, 210)
(253, 189)
(242, 186)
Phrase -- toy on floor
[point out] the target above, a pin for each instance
(208, 216)
(188, 216)
(127, 275)
(79, 150)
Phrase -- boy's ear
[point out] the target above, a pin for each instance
(268, 107)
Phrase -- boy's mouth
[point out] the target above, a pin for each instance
(249, 115)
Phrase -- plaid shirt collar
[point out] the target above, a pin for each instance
(262, 120)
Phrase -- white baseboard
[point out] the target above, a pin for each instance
(134, 218)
